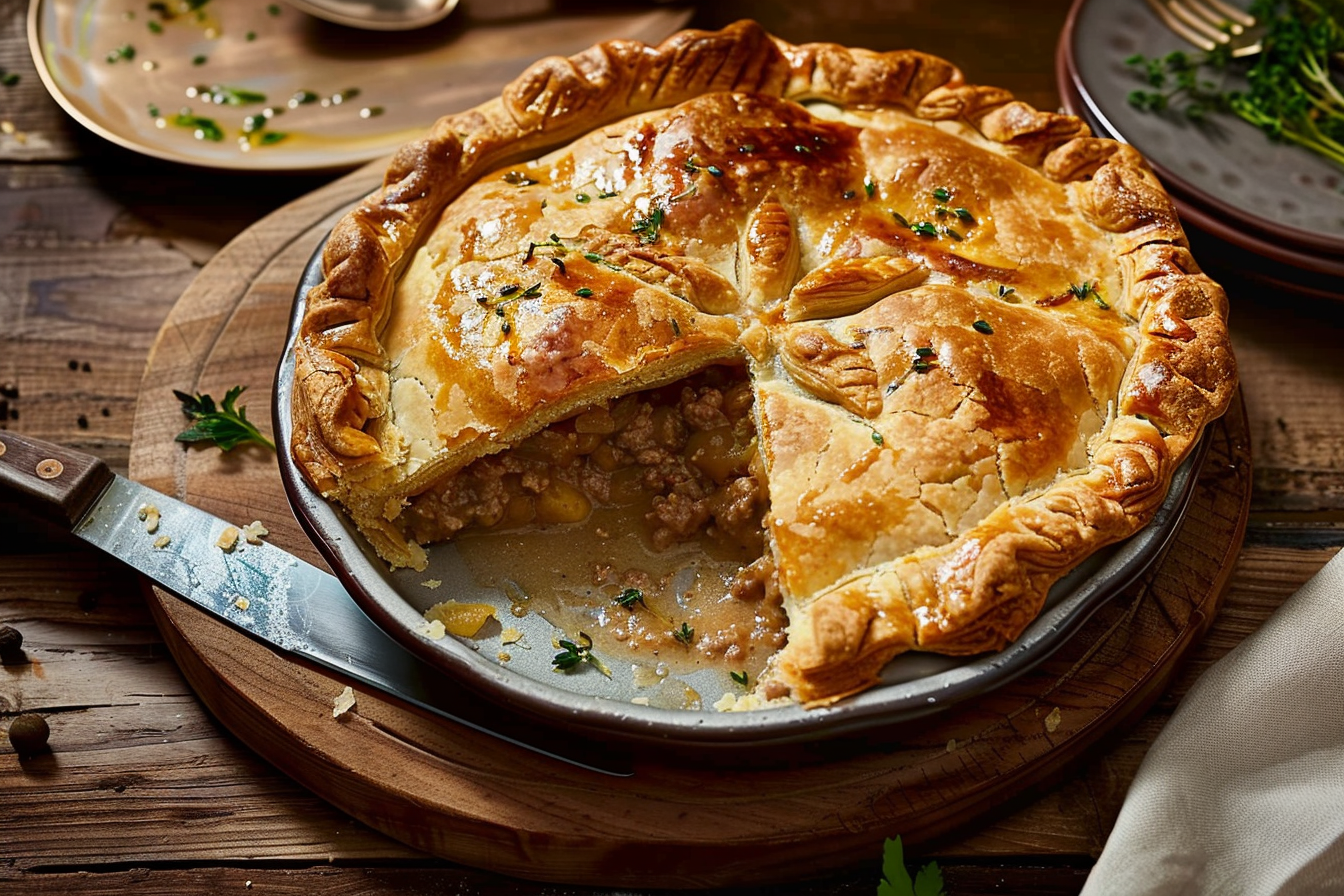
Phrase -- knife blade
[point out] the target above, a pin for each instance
(257, 588)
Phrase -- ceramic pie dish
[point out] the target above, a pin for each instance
(884, 363)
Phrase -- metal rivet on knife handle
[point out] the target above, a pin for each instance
(3, 449)
(50, 468)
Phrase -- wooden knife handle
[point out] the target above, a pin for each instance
(51, 481)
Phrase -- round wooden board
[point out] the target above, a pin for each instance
(473, 799)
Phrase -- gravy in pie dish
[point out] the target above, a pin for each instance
(638, 522)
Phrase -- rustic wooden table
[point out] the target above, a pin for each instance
(145, 789)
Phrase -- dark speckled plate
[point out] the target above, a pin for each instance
(912, 686)
(1277, 195)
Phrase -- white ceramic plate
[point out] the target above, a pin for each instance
(127, 73)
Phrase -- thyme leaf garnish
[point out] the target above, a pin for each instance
(1082, 291)
(629, 597)
(648, 226)
(575, 653)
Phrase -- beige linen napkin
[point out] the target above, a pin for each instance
(1242, 794)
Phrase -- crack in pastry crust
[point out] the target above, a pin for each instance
(979, 344)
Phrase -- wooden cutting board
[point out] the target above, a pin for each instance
(473, 799)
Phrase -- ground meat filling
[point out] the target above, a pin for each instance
(681, 456)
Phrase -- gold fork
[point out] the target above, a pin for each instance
(1209, 24)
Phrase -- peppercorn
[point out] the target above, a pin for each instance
(28, 733)
(11, 645)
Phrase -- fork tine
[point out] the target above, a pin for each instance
(1178, 26)
(1232, 14)
(1214, 16)
(1197, 22)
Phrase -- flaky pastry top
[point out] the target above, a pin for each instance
(978, 342)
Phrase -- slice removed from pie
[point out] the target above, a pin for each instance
(974, 343)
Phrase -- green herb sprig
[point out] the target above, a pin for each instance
(896, 880)
(629, 597)
(647, 227)
(1290, 93)
(203, 128)
(575, 653)
(226, 425)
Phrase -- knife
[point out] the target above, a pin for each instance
(257, 588)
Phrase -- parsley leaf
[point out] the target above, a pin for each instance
(227, 426)
(929, 881)
(896, 880)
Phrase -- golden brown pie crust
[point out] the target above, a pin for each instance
(978, 341)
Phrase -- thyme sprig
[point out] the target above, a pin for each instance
(629, 597)
(647, 227)
(575, 653)
(1290, 92)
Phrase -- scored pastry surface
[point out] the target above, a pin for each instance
(978, 343)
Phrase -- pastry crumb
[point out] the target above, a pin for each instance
(431, 584)
(462, 620)
(951, 745)
(228, 539)
(731, 702)
(162, 541)
(503, 656)
(510, 635)
(149, 514)
(432, 629)
(345, 701)
(254, 531)
(640, 701)
(1052, 721)
(242, 603)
